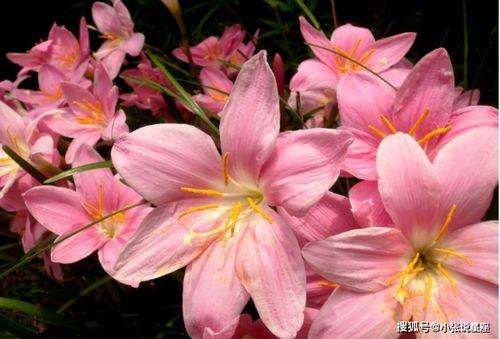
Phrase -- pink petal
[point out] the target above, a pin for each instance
(317, 291)
(251, 118)
(158, 160)
(315, 37)
(471, 187)
(330, 216)
(89, 138)
(162, 243)
(361, 154)
(270, 267)
(113, 61)
(212, 293)
(346, 37)
(367, 206)
(76, 247)
(409, 187)
(58, 209)
(390, 50)
(10, 121)
(116, 127)
(479, 243)
(302, 167)
(213, 77)
(361, 259)
(105, 18)
(357, 315)
(134, 44)
(235, 329)
(362, 99)
(429, 86)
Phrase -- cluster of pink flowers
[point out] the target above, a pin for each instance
(250, 215)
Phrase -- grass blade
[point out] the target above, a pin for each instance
(79, 169)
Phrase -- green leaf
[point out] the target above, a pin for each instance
(308, 13)
(16, 328)
(24, 164)
(79, 169)
(37, 311)
(84, 292)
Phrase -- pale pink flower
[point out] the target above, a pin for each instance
(465, 98)
(216, 87)
(228, 48)
(91, 116)
(98, 193)
(438, 262)
(61, 50)
(422, 108)
(355, 42)
(22, 136)
(117, 28)
(213, 212)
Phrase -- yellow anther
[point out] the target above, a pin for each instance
(446, 223)
(100, 198)
(197, 209)
(448, 277)
(225, 169)
(257, 209)
(325, 283)
(419, 121)
(448, 251)
(203, 191)
(434, 133)
(377, 131)
(217, 93)
(388, 123)
(408, 270)
(235, 213)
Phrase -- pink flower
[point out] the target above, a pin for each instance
(117, 28)
(229, 48)
(422, 108)
(213, 212)
(23, 138)
(217, 87)
(98, 193)
(355, 42)
(62, 50)
(438, 262)
(91, 116)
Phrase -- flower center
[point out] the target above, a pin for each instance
(347, 62)
(217, 93)
(110, 227)
(434, 133)
(237, 201)
(418, 277)
(94, 111)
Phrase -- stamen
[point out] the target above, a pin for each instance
(100, 202)
(388, 123)
(377, 131)
(197, 209)
(448, 251)
(419, 121)
(405, 272)
(257, 209)
(203, 191)
(365, 56)
(355, 48)
(325, 283)
(94, 211)
(446, 223)
(234, 217)
(434, 133)
(225, 169)
(448, 277)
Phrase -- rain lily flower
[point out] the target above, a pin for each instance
(422, 108)
(61, 50)
(23, 138)
(438, 262)
(117, 29)
(98, 193)
(356, 44)
(217, 87)
(214, 212)
(213, 51)
(91, 116)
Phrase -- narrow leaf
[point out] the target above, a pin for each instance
(79, 169)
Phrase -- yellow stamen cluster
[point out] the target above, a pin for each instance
(344, 64)
(434, 133)
(94, 110)
(251, 201)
